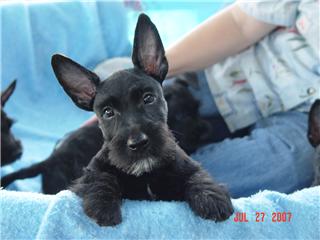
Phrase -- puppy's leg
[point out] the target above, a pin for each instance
(206, 198)
(29, 172)
(101, 195)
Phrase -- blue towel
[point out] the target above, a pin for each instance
(36, 216)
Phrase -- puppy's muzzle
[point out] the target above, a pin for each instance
(137, 141)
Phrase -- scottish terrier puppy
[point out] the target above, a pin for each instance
(77, 148)
(66, 162)
(314, 138)
(11, 148)
(139, 158)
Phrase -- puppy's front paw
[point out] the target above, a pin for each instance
(108, 215)
(214, 204)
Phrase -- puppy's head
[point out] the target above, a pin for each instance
(314, 124)
(184, 119)
(129, 104)
(11, 148)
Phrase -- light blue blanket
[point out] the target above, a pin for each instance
(37, 216)
(90, 32)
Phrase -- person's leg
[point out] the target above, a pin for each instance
(276, 156)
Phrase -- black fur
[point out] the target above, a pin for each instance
(314, 124)
(11, 148)
(189, 128)
(314, 138)
(139, 155)
(66, 162)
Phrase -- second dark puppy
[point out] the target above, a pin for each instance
(189, 128)
(66, 162)
(11, 148)
(139, 158)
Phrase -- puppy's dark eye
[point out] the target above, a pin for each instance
(108, 112)
(148, 98)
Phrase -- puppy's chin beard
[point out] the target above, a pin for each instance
(136, 167)
(140, 167)
(161, 151)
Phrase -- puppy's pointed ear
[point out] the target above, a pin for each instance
(5, 95)
(77, 81)
(314, 124)
(148, 52)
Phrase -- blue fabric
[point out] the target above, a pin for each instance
(277, 73)
(31, 34)
(22, 213)
(276, 155)
(61, 217)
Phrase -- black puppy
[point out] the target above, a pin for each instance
(11, 148)
(66, 162)
(139, 158)
(189, 128)
(75, 151)
(314, 138)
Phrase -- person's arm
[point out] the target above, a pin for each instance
(222, 35)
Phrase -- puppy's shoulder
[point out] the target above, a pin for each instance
(184, 163)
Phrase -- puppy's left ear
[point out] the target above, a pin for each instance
(77, 81)
(314, 124)
(5, 95)
(148, 52)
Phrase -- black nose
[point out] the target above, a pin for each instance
(137, 141)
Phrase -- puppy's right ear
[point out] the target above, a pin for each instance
(77, 81)
(5, 95)
(314, 124)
